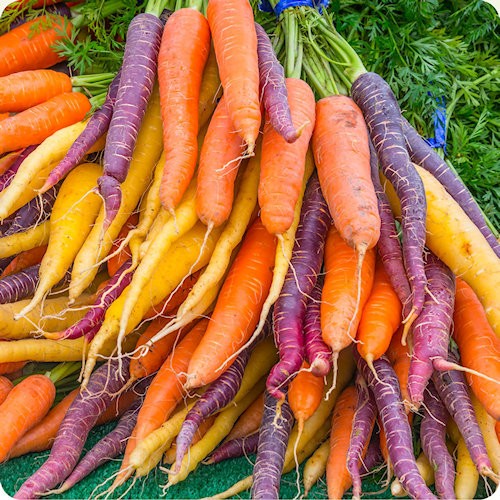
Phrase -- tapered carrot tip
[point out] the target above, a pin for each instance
(407, 325)
(110, 190)
(54, 335)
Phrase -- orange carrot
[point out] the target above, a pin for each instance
(8, 160)
(26, 89)
(283, 164)
(338, 479)
(118, 407)
(3, 116)
(342, 156)
(235, 43)
(479, 347)
(380, 318)
(5, 387)
(184, 50)
(220, 159)
(23, 408)
(249, 421)
(399, 356)
(39, 122)
(25, 259)
(238, 307)
(114, 263)
(13, 366)
(342, 298)
(29, 46)
(497, 429)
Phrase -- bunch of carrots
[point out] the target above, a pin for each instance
(265, 258)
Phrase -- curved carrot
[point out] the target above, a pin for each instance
(184, 50)
(249, 421)
(11, 367)
(25, 405)
(283, 164)
(25, 89)
(29, 46)
(235, 43)
(39, 122)
(399, 356)
(5, 387)
(115, 262)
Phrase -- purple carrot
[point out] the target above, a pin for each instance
(433, 438)
(318, 354)
(383, 117)
(373, 456)
(275, 429)
(453, 391)
(422, 154)
(384, 385)
(96, 127)
(138, 75)
(238, 447)
(6, 177)
(290, 308)
(81, 416)
(362, 428)
(273, 87)
(388, 245)
(5, 262)
(431, 330)
(91, 322)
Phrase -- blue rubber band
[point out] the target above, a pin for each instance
(282, 5)
(439, 139)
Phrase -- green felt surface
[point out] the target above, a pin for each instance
(207, 480)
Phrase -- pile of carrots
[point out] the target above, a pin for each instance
(242, 268)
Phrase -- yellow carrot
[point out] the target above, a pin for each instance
(467, 475)
(316, 466)
(20, 242)
(210, 90)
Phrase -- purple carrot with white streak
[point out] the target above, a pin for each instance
(388, 245)
(318, 354)
(273, 87)
(431, 331)
(383, 118)
(92, 321)
(7, 176)
(362, 428)
(384, 385)
(96, 127)
(422, 154)
(433, 438)
(373, 456)
(277, 422)
(103, 387)
(290, 308)
(454, 393)
(138, 75)
(238, 447)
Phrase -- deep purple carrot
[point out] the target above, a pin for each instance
(7, 176)
(384, 385)
(5, 262)
(106, 296)
(239, 447)
(431, 331)
(138, 75)
(81, 416)
(362, 428)
(373, 456)
(275, 429)
(383, 118)
(433, 438)
(318, 354)
(388, 245)
(96, 127)
(422, 154)
(290, 308)
(273, 87)
(453, 391)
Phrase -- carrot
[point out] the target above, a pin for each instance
(235, 42)
(479, 347)
(114, 263)
(9, 160)
(24, 260)
(210, 90)
(238, 307)
(3, 116)
(338, 479)
(8, 368)
(25, 405)
(29, 46)
(5, 387)
(399, 356)
(20, 91)
(39, 122)
(380, 318)
(283, 164)
(250, 420)
(180, 69)
(497, 429)
(342, 299)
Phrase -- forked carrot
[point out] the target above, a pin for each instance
(25, 259)
(5, 387)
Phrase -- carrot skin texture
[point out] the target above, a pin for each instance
(431, 330)
(7, 176)
(373, 455)
(422, 154)
(433, 437)
(249, 421)
(81, 416)
(385, 389)
(273, 439)
(238, 447)
(17, 417)
(20, 285)
(318, 354)
(5, 387)
(290, 308)
(39, 122)
(383, 117)
(20, 52)
(11, 367)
